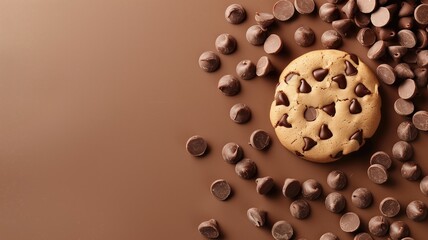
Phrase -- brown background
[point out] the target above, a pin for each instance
(97, 100)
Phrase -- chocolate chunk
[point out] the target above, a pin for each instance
(340, 80)
(357, 136)
(329, 236)
(291, 188)
(325, 132)
(246, 168)
(246, 69)
(403, 107)
(264, 19)
(366, 6)
(402, 151)
(362, 20)
(362, 198)
(331, 39)
(416, 210)
(422, 58)
(330, 109)
(304, 6)
(381, 17)
(235, 14)
(421, 77)
(257, 216)
(283, 122)
(385, 34)
(264, 67)
(220, 189)
(411, 171)
(386, 74)
(406, 131)
(378, 226)
(259, 140)
(406, 9)
(225, 44)
(381, 158)
(319, 74)
(422, 38)
(421, 14)
(273, 44)
(240, 113)
(420, 120)
(256, 35)
(283, 10)
(405, 23)
(350, 8)
(343, 26)
(232, 153)
(366, 37)
(397, 52)
(349, 222)
(290, 76)
(377, 174)
(377, 50)
(229, 85)
(337, 180)
(407, 38)
(399, 230)
(329, 12)
(335, 202)
(389, 207)
(304, 87)
(196, 146)
(355, 106)
(403, 70)
(209, 61)
(310, 114)
(282, 99)
(407, 89)
(361, 90)
(304, 36)
(300, 209)
(309, 143)
(311, 189)
(264, 185)
(282, 230)
(423, 186)
(363, 236)
(209, 229)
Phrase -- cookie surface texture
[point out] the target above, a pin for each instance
(326, 105)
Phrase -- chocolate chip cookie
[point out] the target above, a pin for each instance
(326, 105)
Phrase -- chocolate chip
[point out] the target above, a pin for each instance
(225, 44)
(407, 38)
(325, 132)
(386, 74)
(361, 90)
(300, 209)
(421, 14)
(363, 236)
(422, 58)
(264, 19)
(407, 89)
(304, 87)
(389, 207)
(246, 69)
(354, 58)
(416, 210)
(290, 76)
(240, 113)
(283, 122)
(397, 52)
(406, 9)
(335, 202)
(283, 10)
(259, 140)
(340, 80)
(350, 222)
(264, 185)
(319, 74)
(282, 99)
(411, 171)
(377, 174)
(282, 230)
(410, 57)
(273, 44)
(232, 153)
(311, 189)
(310, 114)
(378, 226)
(220, 189)
(291, 188)
(398, 230)
(196, 146)
(406, 131)
(304, 36)
(337, 180)
(421, 77)
(405, 23)
(331, 39)
(403, 70)
(329, 12)
(209, 61)
(366, 6)
(422, 37)
(381, 17)
(403, 107)
(309, 143)
(257, 216)
(350, 8)
(264, 66)
(235, 14)
(420, 120)
(355, 106)
(330, 109)
(381, 158)
(343, 26)
(362, 20)
(385, 34)
(256, 35)
(423, 186)
(329, 236)
(229, 85)
(357, 136)
(377, 50)
(362, 198)
(209, 229)
(304, 6)
(246, 168)
(366, 37)
(402, 151)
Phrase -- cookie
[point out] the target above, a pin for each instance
(326, 105)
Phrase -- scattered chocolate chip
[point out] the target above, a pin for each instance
(304, 87)
(232, 153)
(309, 143)
(389, 207)
(410, 57)
(407, 89)
(349, 222)
(420, 120)
(357, 136)
(377, 50)
(407, 38)
(246, 168)
(300, 209)
(405, 23)
(422, 37)
(257, 216)
(311, 189)
(403, 107)
(403, 70)
(421, 77)
(366, 6)
(337, 180)
(381, 158)
(304, 6)
(209, 61)
(282, 99)
(350, 8)
(235, 14)
(398, 230)
(377, 174)
(209, 229)
(240, 113)
(220, 189)
(424, 186)
(362, 20)
(363, 236)
(259, 140)
(361, 90)
(225, 44)
(411, 171)
(196, 146)
(397, 52)
(264, 66)
(330, 109)
(406, 131)
(343, 26)
(385, 34)
(246, 69)
(283, 10)
(283, 122)
(282, 230)
(329, 236)
(416, 211)
(340, 80)
(355, 106)
(329, 12)
(264, 185)
(402, 151)
(291, 188)
(310, 114)
(335, 202)
(422, 58)
(386, 74)
(229, 85)
(319, 74)
(366, 37)
(406, 9)
(325, 132)
(273, 44)
(331, 39)
(381, 17)
(378, 226)
(421, 14)
(304, 36)
(264, 19)
(362, 198)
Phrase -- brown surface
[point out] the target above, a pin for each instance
(97, 101)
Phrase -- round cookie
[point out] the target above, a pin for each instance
(325, 105)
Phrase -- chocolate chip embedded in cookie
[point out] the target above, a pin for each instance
(326, 105)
